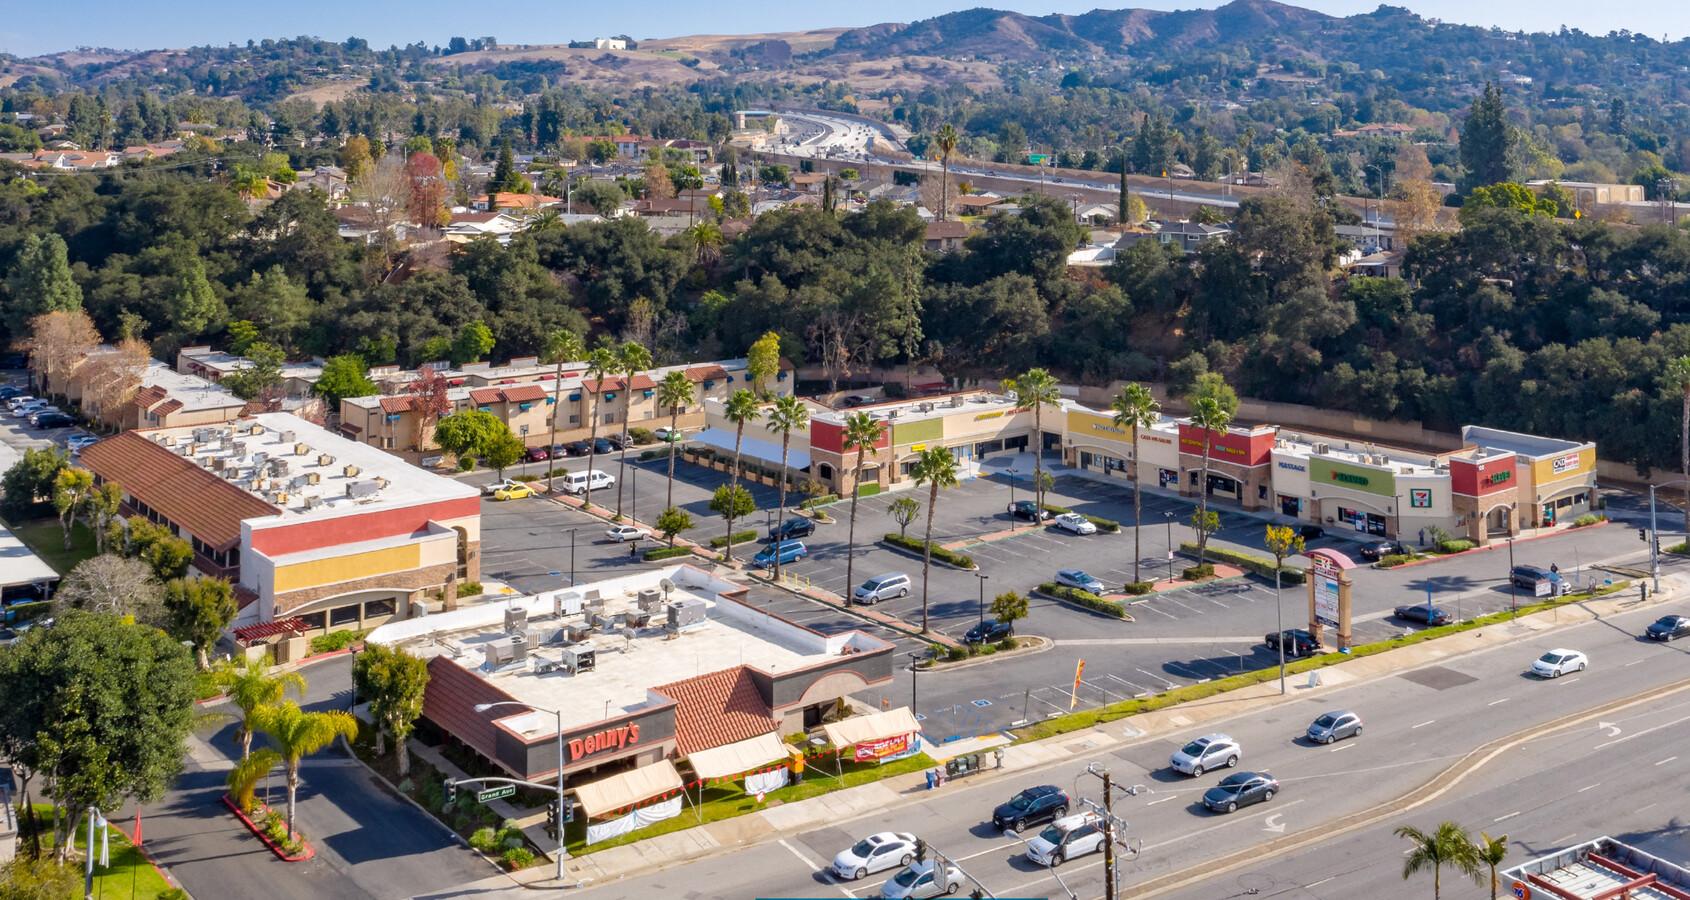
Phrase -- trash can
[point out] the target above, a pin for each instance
(931, 779)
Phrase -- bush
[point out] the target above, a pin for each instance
(642, 435)
(1193, 573)
(1588, 519)
(1057, 510)
(1107, 526)
(469, 589)
(666, 553)
(659, 453)
(1394, 559)
(1249, 562)
(172, 894)
(526, 479)
(518, 858)
(1086, 599)
(1138, 588)
(821, 500)
(956, 653)
(1007, 644)
(338, 640)
(1453, 546)
(466, 463)
(485, 839)
(23, 612)
(948, 557)
(738, 537)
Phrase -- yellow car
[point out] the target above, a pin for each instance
(514, 492)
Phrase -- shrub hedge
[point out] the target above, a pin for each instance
(1455, 546)
(1588, 519)
(1394, 559)
(1138, 588)
(666, 553)
(822, 500)
(738, 537)
(1108, 526)
(1249, 562)
(642, 435)
(914, 545)
(1086, 599)
(1192, 573)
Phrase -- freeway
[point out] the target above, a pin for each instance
(1420, 723)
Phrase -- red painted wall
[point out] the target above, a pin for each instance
(827, 436)
(1472, 478)
(1238, 449)
(334, 530)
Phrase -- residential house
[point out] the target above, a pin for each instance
(943, 237)
(509, 200)
(298, 378)
(976, 204)
(467, 226)
(1188, 236)
(809, 182)
(610, 44)
(628, 146)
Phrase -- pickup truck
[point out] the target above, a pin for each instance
(500, 485)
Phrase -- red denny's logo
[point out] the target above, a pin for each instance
(604, 740)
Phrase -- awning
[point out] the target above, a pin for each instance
(860, 729)
(20, 565)
(608, 795)
(262, 630)
(766, 452)
(738, 757)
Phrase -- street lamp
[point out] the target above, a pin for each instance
(915, 656)
(1378, 210)
(483, 707)
(982, 596)
(1513, 590)
(1170, 520)
(571, 557)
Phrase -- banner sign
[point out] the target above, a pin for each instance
(896, 747)
(1074, 696)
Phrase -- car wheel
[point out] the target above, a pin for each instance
(859, 875)
(1357, 732)
(1232, 761)
(1232, 807)
(907, 858)
(1581, 667)
(1020, 825)
(951, 888)
(903, 593)
(1196, 771)
(1267, 796)
(1059, 813)
(1056, 860)
(1329, 739)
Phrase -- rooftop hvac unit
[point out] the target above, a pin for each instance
(956, 402)
(280, 498)
(313, 502)
(301, 449)
(359, 490)
(286, 437)
(225, 432)
(650, 600)
(203, 435)
(259, 458)
(350, 471)
(566, 603)
(237, 447)
(506, 650)
(279, 467)
(686, 611)
(580, 658)
(382, 483)
(219, 463)
(298, 481)
(516, 620)
(232, 473)
(1322, 448)
(325, 460)
(926, 407)
(255, 429)
(313, 477)
(891, 414)
(206, 461)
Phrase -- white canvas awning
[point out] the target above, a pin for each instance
(739, 756)
(860, 729)
(624, 790)
(765, 452)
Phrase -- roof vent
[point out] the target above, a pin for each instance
(286, 437)
(301, 449)
(325, 460)
(351, 471)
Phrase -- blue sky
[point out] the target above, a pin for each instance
(29, 29)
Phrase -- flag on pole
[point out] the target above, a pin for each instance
(137, 826)
(1074, 696)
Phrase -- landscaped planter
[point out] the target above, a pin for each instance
(275, 848)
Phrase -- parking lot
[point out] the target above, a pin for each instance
(17, 435)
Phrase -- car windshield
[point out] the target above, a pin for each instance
(906, 878)
(1326, 721)
(1195, 748)
(871, 584)
(1668, 622)
(863, 848)
(1051, 835)
(1234, 782)
(1021, 801)
(1081, 576)
(1551, 658)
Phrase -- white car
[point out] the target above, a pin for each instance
(1211, 751)
(76, 442)
(25, 410)
(874, 853)
(1075, 578)
(496, 486)
(1075, 523)
(920, 880)
(1067, 838)
(1556, 663)
(620, 533)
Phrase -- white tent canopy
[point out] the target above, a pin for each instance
(624, 790)
(766, 452)
(738, 757)
(879, 726)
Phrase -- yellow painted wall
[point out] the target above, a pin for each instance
(1091, 428)
(1543, 470)
(347, 568)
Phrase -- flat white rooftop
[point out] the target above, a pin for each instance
(1366, 454)
(19, 564)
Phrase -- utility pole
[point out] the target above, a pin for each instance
(1108, 840)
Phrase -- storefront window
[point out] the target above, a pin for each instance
(1168, 476)
(376, 608)
(313, 620)
(1290, 506)
(347, 615)
(1362, 521)
(1111, 464)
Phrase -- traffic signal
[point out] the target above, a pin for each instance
(551, 816)
(1643, 535)
(568, 814)
(920, 850)
(451, 790)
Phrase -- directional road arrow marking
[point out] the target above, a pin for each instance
(1273, 823)
(1613, 730)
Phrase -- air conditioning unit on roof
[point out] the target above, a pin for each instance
(286, 438)
(301, 449)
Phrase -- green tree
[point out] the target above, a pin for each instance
(937, 469)
(168, 555)
(1448, 845)
(505, 177)
(1206, 414)
(199, 610)
(601, 364)
(39, 283)
(473, 343)
(903, 511)
(502, 451)
(469, 433)
(1506, 195)
(1009, 608)
(344, 376)
(296, 734)
(1282, 541)
(1123, 202)
(392, 682)
(1565, 204)
(249, 686)
(742, 407)
(242, 335)
(36, 878)
(945, 141)
(730, 501)
(104, 502)
(1213, 385)
(736, 205)
(1487, 140)
(263, 379)
(31, 481)
(673, 521)
(674, 391)
(786, 415)
(861, 433)
(1491, 852)
(277, 306)
(763, 362)
(1677, 375)
(1035, 389)
(1136, 409)
(195, 306)
(70, 496)
(562, 346)
(632, 358)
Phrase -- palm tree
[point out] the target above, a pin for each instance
(1449, 846)
(1036, 389)
(674, 391)
(632, 358)
(742, 407)
(1136, 409)
(1208, 414)
(862, 431)
(601, 363)
(562, 346)
(706, 240)
(788, 414)
(945, 141)
(937, 469)
(250, 687)
(1678, 373)
(1492, 851)
(297, 734)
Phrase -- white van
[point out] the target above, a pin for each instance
(579, 482)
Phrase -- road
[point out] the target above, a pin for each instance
(1419, 723)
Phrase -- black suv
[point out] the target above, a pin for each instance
(990, 632)
(1032, 805)
(792, 529)
(1311, 532)
(1297, 642)
(1424, 614)
(1380, 549)
(53, 420)
(1025, 509)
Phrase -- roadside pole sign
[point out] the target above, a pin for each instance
(494, 793)
(1520, 891)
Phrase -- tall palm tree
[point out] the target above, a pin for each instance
(1208, 414)
(562, 346)
(937, 469)
(632, 358)
(862, 431)
(297, 734)
(945, 142)
(1036, 389)
(1492, 851)
(250, 686)
(786, 415)
(1678, 373)
(1448, 845)
(601, 363)
(674, 391)
(742, 407)
(706, 240)
(1136, 409)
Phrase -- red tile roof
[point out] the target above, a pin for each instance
(603, 384)
(707, 373)
(484, 396)
(147, 397)
(207, 506)
(168, 407)
(450, 701)
(397, 404)
(262, 630)
(524, 393)
(642, 382)
(717, 709)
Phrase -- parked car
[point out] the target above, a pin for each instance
(496, 486)
(1311, 532)
(1334, 726)
(1035, 804)
(9, 391)
(874, 853)
(559, 451)
(922, 879)
(580, 448)
(1423, 614)
(665, 433)
(580, 482)
(25, 409)
(20, 399)
(619, 441)
(516, 492)
(1027, 509)
(1067, 838)
(1075, 578)
(602, 446)
(1241, 789)
(793, 528)
(1075, 523)
(787, 551)
(76, 442)
(1380, 549)
(620, 533)
(1669, 628)
(539, 454)
(1529, 577)
(52, 419)
(880, 587)
(988, 632)
(1556, 663)
(1297, 642)
(1211, 751)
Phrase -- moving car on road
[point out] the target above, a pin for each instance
(922, 879)
(620, 533)
(1297, 642)
(515, 492)
(989, 632)
(1556, 663)
(1241, 789)
(1075, 523)
(1211, 751)
(1075, 578)
(1028, 510)
(880, 587)
(1033, 805)
(1669, 628)
(1067, 838)
(1334, 726)
(1423, 614)
(874, 853)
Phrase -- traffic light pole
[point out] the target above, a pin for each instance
(561, 852)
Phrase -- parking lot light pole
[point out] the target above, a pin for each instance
(915, 656)
(1170, 520)
(982, 596)
(571, 557)
(483, 707)
(1513, 590)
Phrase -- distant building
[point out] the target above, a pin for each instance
(609, 44)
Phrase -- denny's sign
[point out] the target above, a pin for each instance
(609, 739)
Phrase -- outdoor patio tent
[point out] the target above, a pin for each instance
(628, 788)
(876, 727)
(738, 757)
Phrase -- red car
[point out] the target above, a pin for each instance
(539, 454)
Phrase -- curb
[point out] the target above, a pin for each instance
(1493, 546)
(914, 555)
(1125, 616)
(153, 862)
(456, 838)
(898, 625)
(1043, 645)
(274, 847)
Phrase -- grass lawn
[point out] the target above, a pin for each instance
(47, 538)
(129, 874)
